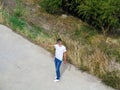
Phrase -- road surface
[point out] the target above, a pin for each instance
(26, 66)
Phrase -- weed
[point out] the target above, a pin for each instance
(17, 22)
(112, 79)
(1, 16)
(51, 6)
(19, 11)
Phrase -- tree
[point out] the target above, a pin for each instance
(104, 15)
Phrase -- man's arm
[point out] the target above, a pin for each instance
(48, 45)
(64, 57)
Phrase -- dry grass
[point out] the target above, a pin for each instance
(91, 59)
(98, 62)
(86, 57)
(30, 2)
(1, 16)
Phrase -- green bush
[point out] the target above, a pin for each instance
(112, 79)
(101, 14)
(51, 6)
(17, 23)
(104, 15)
(19, 11)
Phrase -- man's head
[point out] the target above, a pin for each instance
(59, 41)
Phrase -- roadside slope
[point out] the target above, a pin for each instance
(25, 66)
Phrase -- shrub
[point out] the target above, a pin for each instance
(101, 14)
(19, 10)
(112, 79)
(1, 12)
(17, 23)
(51, 6)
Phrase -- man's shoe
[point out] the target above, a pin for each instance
(56, 80)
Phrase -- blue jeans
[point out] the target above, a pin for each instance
(57, 67)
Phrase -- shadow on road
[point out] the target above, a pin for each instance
(65, 67)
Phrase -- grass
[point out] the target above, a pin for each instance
(19, 10)
(17, 22)
(112, 79)
(32, 32)
(87, 49)
(1, 16)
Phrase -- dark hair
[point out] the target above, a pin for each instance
(59, 40)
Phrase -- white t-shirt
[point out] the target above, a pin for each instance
(59, 51)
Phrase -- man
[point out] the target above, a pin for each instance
(60, 55)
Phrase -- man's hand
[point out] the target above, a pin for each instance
(44, 44)
(64, 62)
(64, 57)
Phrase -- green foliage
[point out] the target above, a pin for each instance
(112, 79)
(51, 6)
(34, 32)
(111, 50)
(19, 11)
(17, 23)
(101, 14)
(84, 33)
(104, 15)
(116, 54)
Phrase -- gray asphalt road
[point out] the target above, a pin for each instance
(25, 66)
